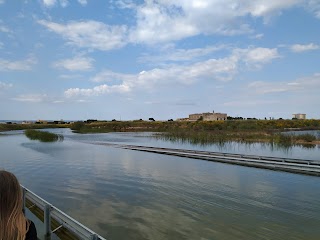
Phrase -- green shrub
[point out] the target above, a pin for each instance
(76, 126)
(43, 136)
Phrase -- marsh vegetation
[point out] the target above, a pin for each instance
(11, 127)
(218, 132)
(200, 132)
(227, 126)
(222, 137)
(43, 136)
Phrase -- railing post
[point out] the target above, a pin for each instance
(24, 200)
(47, 222)
(94, 237)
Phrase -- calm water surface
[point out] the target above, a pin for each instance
(123, 194)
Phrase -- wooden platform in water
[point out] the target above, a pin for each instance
(301, 166)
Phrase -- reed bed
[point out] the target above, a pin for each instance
(12, 127)
(223, 137)
(195, 126)
(43, 136)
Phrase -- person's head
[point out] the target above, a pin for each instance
(13, 224)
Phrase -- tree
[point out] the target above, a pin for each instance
(151, 119)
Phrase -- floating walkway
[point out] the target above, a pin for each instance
(308, 167)
(55, 221)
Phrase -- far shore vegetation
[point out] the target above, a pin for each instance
(207, 132)
(200, 132)
(12, 127)
(43, 136)
(221, 138)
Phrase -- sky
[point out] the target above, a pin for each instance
(126, 60)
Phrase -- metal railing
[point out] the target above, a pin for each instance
(55, 220)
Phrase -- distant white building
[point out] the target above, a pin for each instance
(299, 115)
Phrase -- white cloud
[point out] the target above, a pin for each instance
(164, 20)
(156, 24)
(22, 65)
(108, 76)
(49, 3)
(303, 84)
(223, 69)
(250, 55)
(33, 98)
(83, 2)
(303, 48)
(83, 101)
(314, 7)
(265, 8)
(68, 101)
(5, 85)
(3, 28)
(261, 55)
(269, 87)
(90, 34)
(215, 69)
(98, 90)
(64, 3)
(68, 76)
(75, 64)
(258, 36)
(161, 21)
(58, 101)
(212, 69)
(2, 1)
(249, 103)
(176, 55)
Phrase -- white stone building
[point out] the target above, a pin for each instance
(208, 116)
(299, 115)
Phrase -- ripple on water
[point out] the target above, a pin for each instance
(122, 193)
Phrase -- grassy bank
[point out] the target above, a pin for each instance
(201, 132)
(230, 126)
(226, 126)
(43, 136)
(11, 127)
(205, 132)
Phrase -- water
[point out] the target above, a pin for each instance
(124, 194)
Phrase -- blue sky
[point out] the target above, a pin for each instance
(122, 59)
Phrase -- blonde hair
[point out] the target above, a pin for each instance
(13, 224)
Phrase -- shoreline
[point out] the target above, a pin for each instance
(207, 132)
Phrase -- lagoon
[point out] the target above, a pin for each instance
(123, 194)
